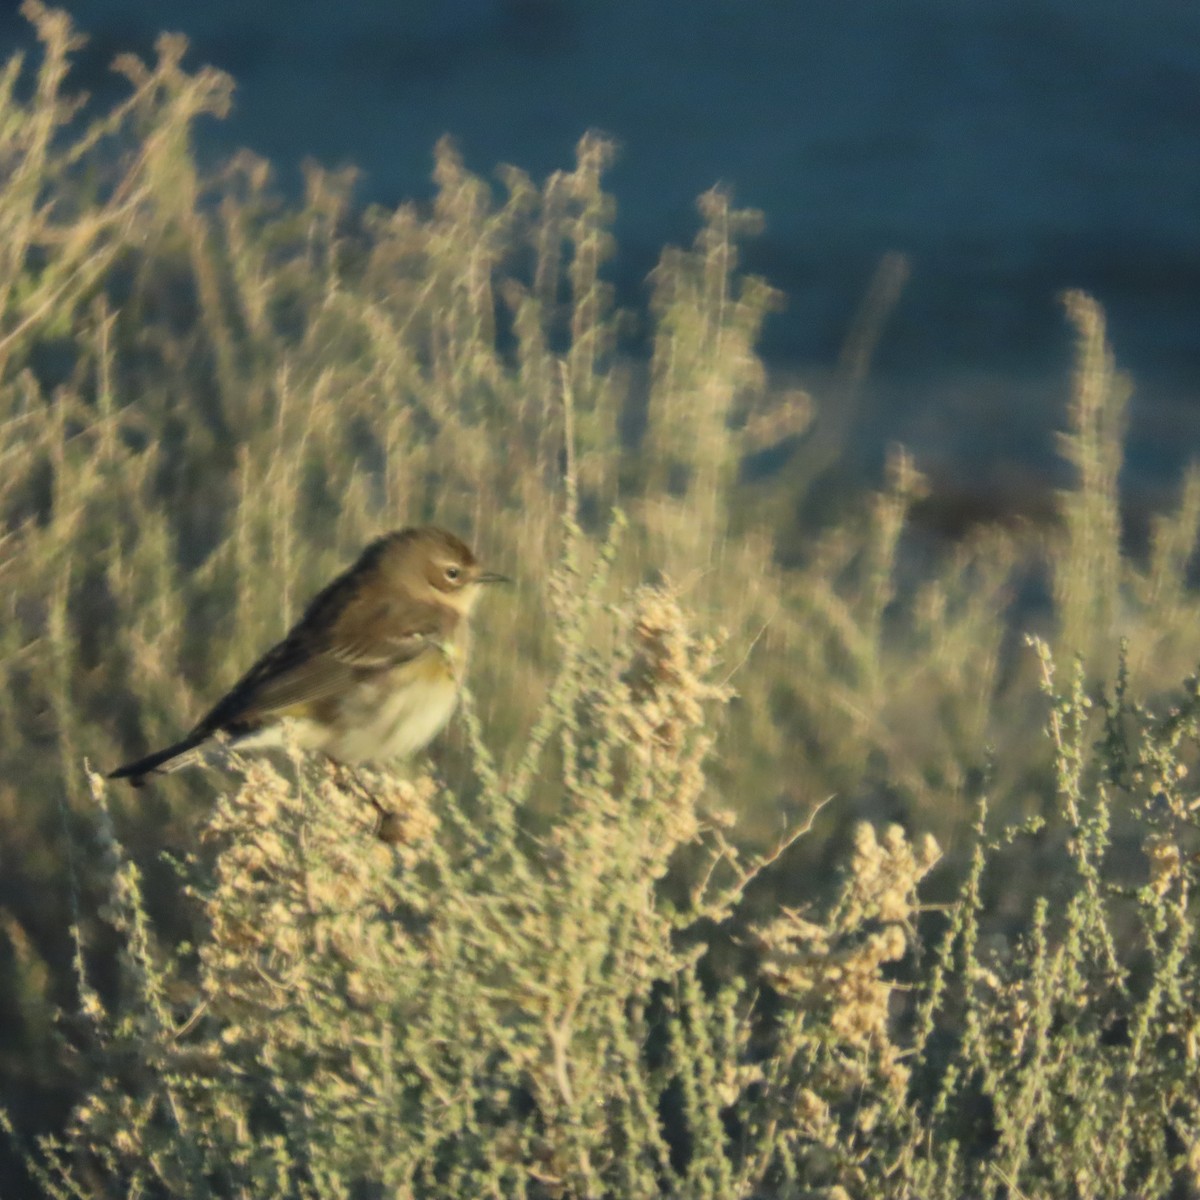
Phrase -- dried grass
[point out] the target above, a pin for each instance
(209, 398)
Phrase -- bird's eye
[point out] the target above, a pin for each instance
(452, 573)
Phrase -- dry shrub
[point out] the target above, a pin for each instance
(204, 387)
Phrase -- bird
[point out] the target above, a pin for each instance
(370, 672)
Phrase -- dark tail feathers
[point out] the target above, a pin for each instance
(162, 762)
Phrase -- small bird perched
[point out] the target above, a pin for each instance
(371, 671)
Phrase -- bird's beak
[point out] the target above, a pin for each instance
(492, 577)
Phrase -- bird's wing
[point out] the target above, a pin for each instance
(381, 634)
(344, 635)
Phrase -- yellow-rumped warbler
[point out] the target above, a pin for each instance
(371, 671)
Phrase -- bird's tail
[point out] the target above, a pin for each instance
(163, 762)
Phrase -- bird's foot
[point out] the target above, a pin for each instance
(389, 826)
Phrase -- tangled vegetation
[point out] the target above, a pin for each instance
(597, 961)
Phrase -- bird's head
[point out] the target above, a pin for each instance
(436, 567)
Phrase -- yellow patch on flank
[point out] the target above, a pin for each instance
(432, 668)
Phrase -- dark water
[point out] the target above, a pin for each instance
(1010, 148)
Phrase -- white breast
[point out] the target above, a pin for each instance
(392, 717)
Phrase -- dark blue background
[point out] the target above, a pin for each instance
(1011, 148)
